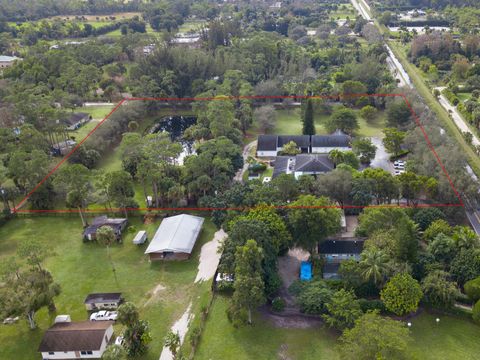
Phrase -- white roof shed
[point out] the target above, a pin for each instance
(176, 234)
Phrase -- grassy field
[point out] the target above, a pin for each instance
(261, 341)
(434, 105)
(453, 338)
(191, 25)
(464, 96)
(84, 268)
(289, 123)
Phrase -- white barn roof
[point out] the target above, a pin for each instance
(176, 234)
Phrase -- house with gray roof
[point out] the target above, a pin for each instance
(76, 120)
(302, 164)
(175, 238)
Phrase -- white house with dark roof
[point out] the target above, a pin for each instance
(323, 144)
(310, 164)
(75, 120)
(76, 340)
(272, 145)
(103, 301)
(302, 164)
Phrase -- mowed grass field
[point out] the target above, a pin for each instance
(452, 339)
(289, 122)
(81, 268)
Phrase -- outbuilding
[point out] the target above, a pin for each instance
(98, 301)
(175, 238)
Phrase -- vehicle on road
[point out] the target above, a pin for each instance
(104, 315)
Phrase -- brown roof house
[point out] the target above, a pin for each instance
(175, 238)
(76, 340)
(118, 225)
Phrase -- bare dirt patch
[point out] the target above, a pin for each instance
(154, 294)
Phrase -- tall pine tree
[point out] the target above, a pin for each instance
(249, 285)
(308, 124)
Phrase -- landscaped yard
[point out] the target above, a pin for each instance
(83, 268)
(452, 338)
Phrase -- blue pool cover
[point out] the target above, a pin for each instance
(305, 270)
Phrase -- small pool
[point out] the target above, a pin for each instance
(305, 271)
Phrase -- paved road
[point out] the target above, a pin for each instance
(382, 158)
(246, 153)
(394, 65)
(474, 219)
(456, 116)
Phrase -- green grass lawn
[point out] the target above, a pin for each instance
(261, 341)
(191, 25)
(289, 123)
(84, 268)
(98, 112)
(453, 338)
(464, 96)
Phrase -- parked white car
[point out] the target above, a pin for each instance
(104, 315)
(119, 340)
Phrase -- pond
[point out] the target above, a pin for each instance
(176, 125)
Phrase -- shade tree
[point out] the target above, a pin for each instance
(401, 294)
(374, 337)
(311, 220)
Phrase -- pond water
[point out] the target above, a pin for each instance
(176, 125)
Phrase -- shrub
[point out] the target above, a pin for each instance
(194, 336)
(278, 304)
(257, 167)
(476, 312)
(368, 305)
(472, 289)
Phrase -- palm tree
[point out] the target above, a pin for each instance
(336, 156)
(172, 342)
(373, 264)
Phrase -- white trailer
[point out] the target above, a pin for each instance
(140, 238)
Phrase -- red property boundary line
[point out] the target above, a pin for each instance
(17, 209)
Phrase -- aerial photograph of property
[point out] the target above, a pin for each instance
(240, 179)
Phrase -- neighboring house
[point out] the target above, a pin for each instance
(188, 40)
(118, 225)
(336, 251)
(323, 144)
(76, 340)
(175, 238)
(63, 148)
(272, 145)
(267, 146)
(302, 164)
(103, 301)
(76, 120)
(309, 164)
(7, 61)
